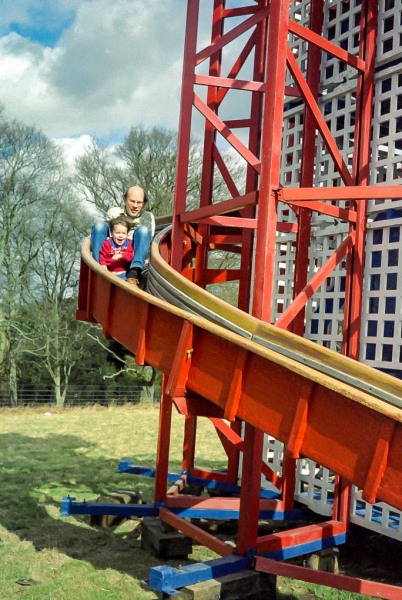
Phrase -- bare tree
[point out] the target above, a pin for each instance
(59, 339)
(30, 171)
(99, 178)
(146, 158)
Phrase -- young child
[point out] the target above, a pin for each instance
(117, 250)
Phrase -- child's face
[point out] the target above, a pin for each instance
(119, 234)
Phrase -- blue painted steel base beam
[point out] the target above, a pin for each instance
(70, 507)
(288, 552)
(233, 515)
(168, 580)
(127, 466)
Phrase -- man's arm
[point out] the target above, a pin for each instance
(114, 212)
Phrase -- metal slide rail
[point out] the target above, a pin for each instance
(165, 283)
(316, 414)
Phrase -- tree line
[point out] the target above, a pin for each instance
(46, 211)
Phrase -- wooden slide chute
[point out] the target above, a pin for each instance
(356, 434)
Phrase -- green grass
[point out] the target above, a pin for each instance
(48, 454)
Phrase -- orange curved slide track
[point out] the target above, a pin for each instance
(356, 434)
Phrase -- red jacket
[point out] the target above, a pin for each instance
(116, 258)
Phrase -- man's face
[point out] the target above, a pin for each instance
(134, 201)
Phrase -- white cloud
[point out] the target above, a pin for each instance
(118, 64)
(73, 147)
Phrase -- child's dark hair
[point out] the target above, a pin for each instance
(118, 221)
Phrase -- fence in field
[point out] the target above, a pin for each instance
(81, 395)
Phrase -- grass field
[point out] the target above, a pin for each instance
(46, 455)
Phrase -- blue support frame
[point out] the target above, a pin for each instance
(70, 507)
(167, 579)
(127, 466)
(301, 549)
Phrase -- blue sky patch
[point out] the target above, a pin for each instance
(43, 30)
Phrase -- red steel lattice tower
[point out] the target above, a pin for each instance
(240, 84)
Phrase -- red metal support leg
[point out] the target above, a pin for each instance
(162, 456)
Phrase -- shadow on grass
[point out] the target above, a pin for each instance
(37, 473)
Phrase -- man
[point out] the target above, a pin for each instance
(142, 230)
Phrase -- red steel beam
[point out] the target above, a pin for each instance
(163, 447)
(270, 159)
(184, 137)
(265, 250)
(224, 207)
(197, 534)
(361, 162)
(343, 582)
(210, 134)
(307, 166)
(315, 282)
(350, 192)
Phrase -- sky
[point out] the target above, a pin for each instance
(81, 68)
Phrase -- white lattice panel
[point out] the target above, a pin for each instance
(381, 324)
(379, 517)
(315, 489)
